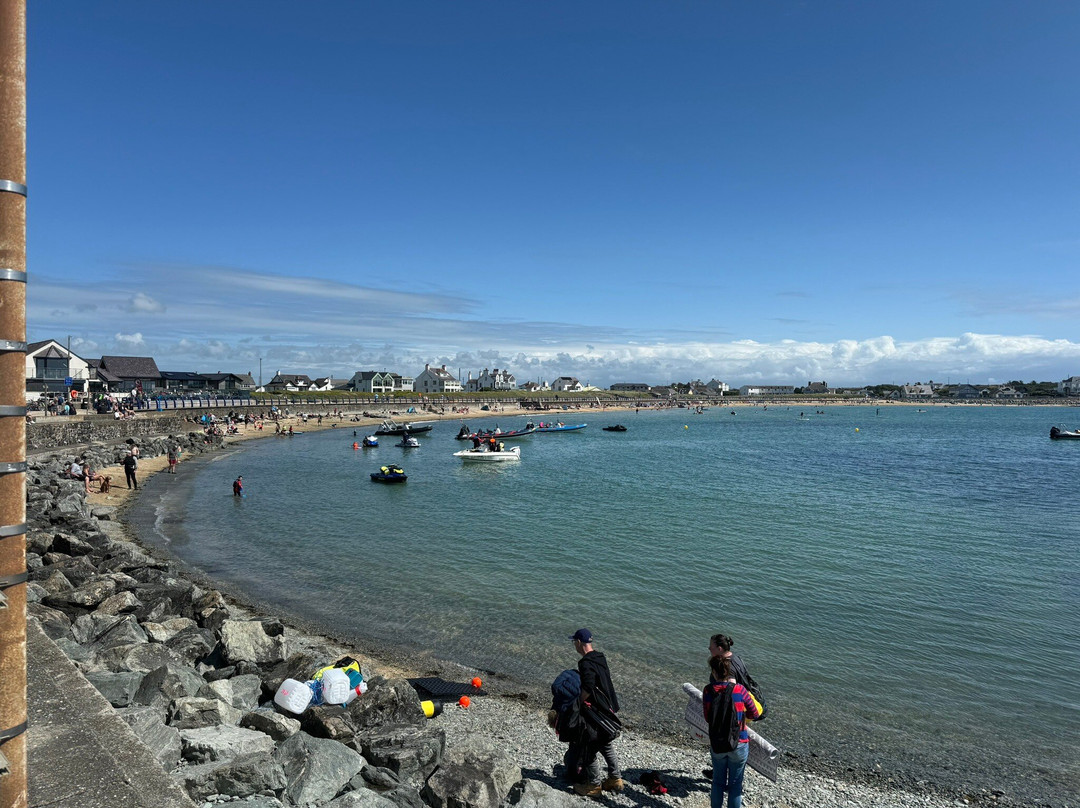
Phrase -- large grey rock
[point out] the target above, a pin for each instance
(328, 721)
(388, 701)
(167, 683)
(242, 692)
(247, 775)
(34, 592)
(190, 712)
(53, 621)
(167, 629)
(317, 769)
(77, 570)
(87, 595)
(192, 644)
(83, 629)
(410, 752)
(364, 798)
(248, 641)
(406, 797)
(534, 794)
(111, 631)
(277, 726)
(104, 513)
(473, 774)
(71, 545)
(72, 650)
(137, 657)
(204, 744)
(375, 777)
(56, 583)
(120, 603)
(119, 689)
(148, 723)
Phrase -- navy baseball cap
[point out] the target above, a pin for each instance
(582, 634)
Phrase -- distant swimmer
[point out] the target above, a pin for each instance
(238, 487)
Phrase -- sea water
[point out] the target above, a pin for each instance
(905, 583)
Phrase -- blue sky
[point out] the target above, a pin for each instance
(632, 191)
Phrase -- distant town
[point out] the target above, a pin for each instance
(54, 371)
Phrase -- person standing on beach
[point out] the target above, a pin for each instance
(729, 764)
(720, 646)
(172, 460)
(238, 487)
(596, 686)
(130, 463)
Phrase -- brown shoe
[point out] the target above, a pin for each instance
(587, 789)
(612, 784)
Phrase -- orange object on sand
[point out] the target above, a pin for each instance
(476, 682)
(464, 701)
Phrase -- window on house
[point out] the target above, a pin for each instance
(51, 368)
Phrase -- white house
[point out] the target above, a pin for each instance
(289, 382)
(766, 390)
(49, 364)
(567, 384)
(402, 384)
(1067, 387)
(490, 380)
(436, 380)
(718, 386)
(917, 392)
(371, 381)
(533, 387)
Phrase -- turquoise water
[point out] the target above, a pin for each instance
(906, 584)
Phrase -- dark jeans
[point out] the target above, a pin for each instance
(130, 475)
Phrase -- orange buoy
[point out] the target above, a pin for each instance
(476, 682)
(464, 701)
(355, 445)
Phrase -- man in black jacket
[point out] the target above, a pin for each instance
(596, 688)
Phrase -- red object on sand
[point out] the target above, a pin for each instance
(464, 701)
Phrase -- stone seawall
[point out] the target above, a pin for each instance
(98, 429)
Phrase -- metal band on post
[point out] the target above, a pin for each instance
(13, 468)
(13, 187)
(8, 581)
(12, 411)
(17, 275)
(12, 346)
(7, 531)
(7, 734)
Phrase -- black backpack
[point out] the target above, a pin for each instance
(601, 718)
(724, 725)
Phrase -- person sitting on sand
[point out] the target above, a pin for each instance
(75, 471)
(91, 476)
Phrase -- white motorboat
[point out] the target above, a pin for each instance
(487, 456)
(408, 442)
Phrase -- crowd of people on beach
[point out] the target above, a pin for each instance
(584, 714)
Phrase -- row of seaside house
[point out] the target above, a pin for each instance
(51, 368)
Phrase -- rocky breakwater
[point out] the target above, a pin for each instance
(194, 676)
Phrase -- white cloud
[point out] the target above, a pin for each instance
(333, 328)
(144, 304)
